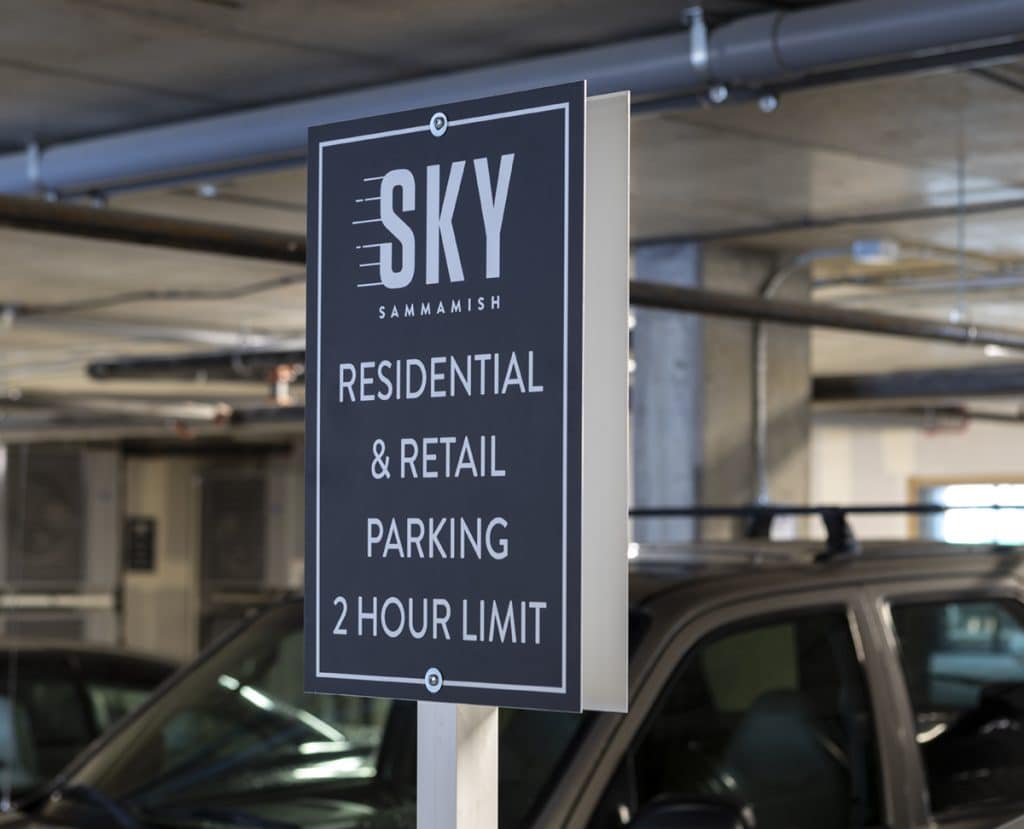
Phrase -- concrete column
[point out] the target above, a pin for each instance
(666, 395)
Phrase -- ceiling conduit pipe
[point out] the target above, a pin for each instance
(752, 51)
(930, 418)
(768, 289)
(148, 229)
(248, 365)
(868, 250)
(121, 406)
(252, 365)
(146, 331)
(716, 303)
(759, 48)
(1000, 379)
(916, 285)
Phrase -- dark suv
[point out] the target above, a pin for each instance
(880, 689)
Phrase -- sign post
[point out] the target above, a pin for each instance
(457, 436)
(456, 766)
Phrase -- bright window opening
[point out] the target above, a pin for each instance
(980, 521)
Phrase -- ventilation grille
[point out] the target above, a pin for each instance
(234, 530)
(45, 502)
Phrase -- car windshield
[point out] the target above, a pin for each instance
(237, 740)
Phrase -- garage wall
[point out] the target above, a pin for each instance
(59, 540)
(727, 473)
(861, 465)
(693, 395)
(162, 606)
(228, 534)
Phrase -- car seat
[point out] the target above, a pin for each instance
(782, 768)
(18, 761)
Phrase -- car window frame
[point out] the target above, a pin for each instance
(41, 665)
(177, 676)
(579, 794)
(941, 590)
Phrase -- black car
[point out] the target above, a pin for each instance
(884, 689)
(57, 697)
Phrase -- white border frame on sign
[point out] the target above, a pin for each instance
(565, 393)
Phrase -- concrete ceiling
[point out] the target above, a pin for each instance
(70, 68)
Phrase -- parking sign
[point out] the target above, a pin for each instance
(444, 402)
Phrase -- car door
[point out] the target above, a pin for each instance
(774, 705)
(958, 657)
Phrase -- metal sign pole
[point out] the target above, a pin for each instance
(456, 766)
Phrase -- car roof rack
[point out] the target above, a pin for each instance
(840, 540)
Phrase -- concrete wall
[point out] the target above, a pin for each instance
(162, 607)
(727, 469)
(861, 465)
(693, 395)
(286, 482)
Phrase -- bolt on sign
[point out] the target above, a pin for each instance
(456, 549)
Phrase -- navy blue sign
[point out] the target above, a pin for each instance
(443, 399)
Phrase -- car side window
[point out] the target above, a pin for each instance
(58, 719)
(110, 701)
(964, 667)
(771, 716)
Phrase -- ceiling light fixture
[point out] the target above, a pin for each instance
(992, 350)
(875, 251)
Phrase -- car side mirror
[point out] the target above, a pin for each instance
(683, 813)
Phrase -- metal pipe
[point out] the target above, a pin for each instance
(969, 381)
(127, 406)
(924, 417)
(254, 365)
(144, 229)
(219, 144)
(154, 332)
(223, 365)
(651, 295)
(774, 45)
(969, 59)
(754, 50)
(93, 429)
(909, 214)
(898, 278)
(207, 237)
(769, 288)
(751, 510)
(911, 285)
